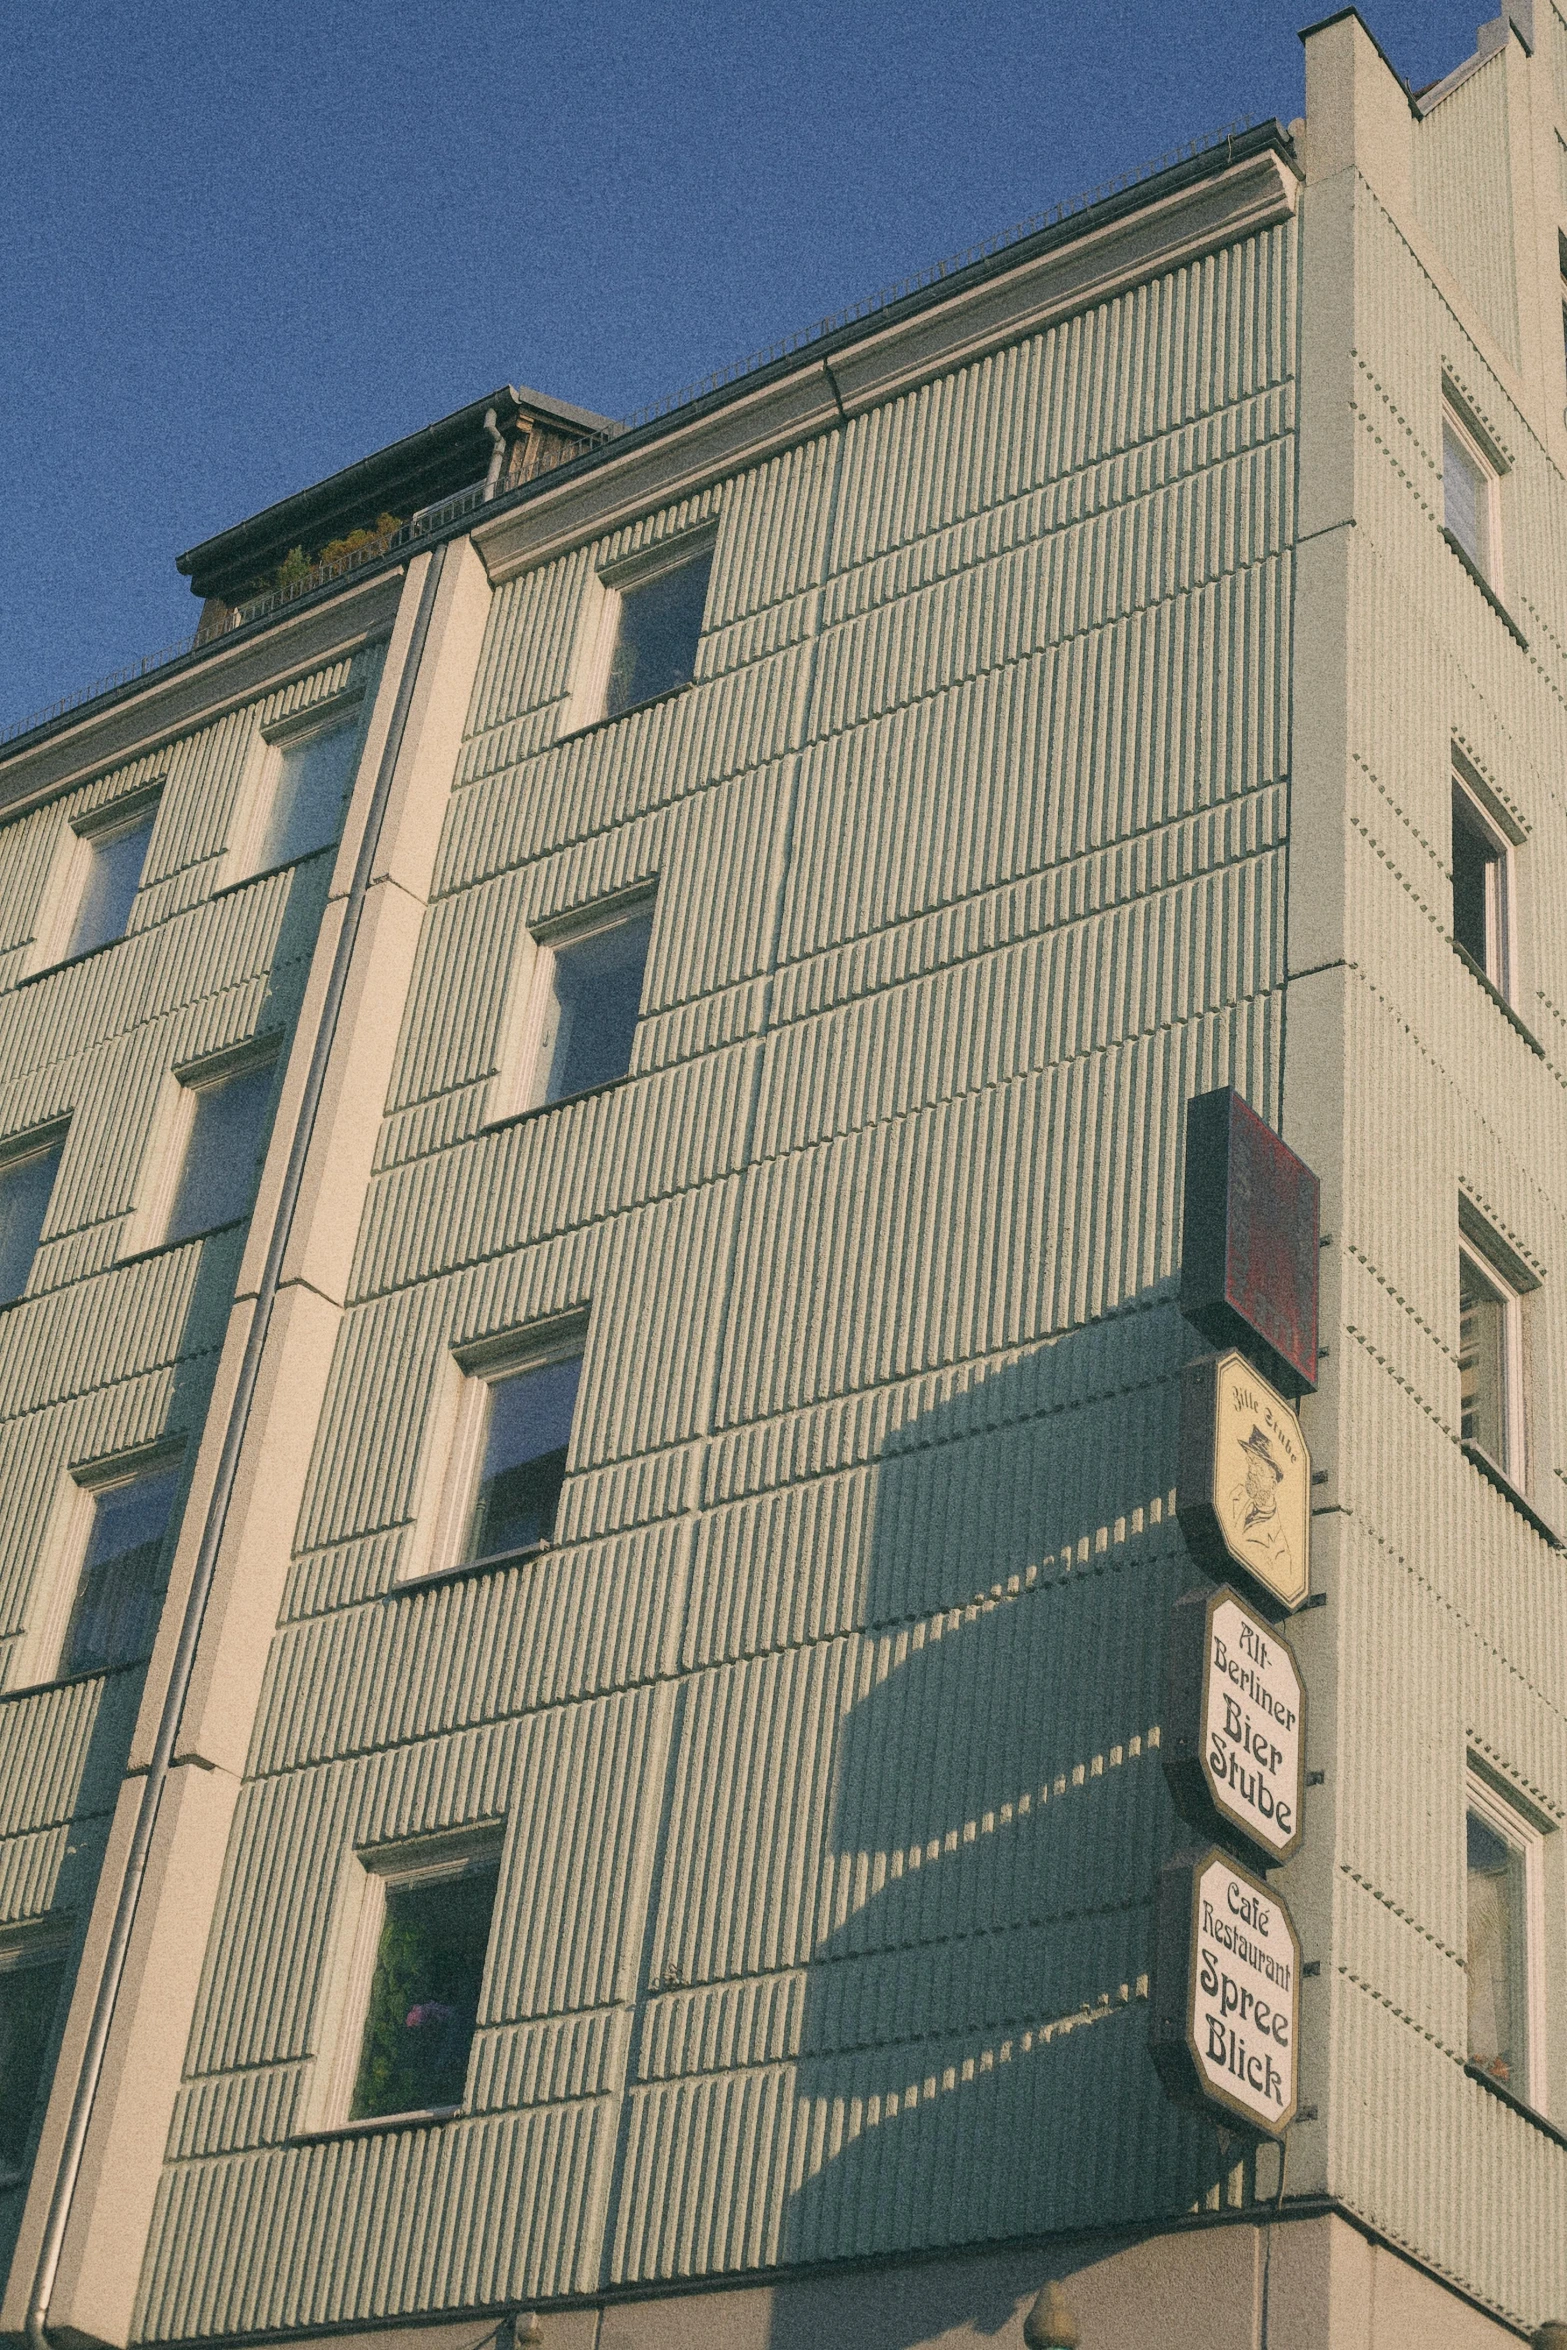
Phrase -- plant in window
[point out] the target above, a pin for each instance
(424, 1996)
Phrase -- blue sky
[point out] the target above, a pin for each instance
(246, 245)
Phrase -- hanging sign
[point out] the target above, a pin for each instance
(1225, 1997)
(1249, 1239)
(1233, 1745)
(1243, 1495)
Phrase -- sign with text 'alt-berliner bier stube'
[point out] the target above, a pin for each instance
(1225, 1993)
(1234, 1741)
(1243, 1496)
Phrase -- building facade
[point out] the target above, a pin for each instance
(591, 1133)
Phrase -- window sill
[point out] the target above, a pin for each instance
(561, 1102)
(573, 734)
(270, 872)
(132, 1664)
(1509, 1492)
(1520, 2105)
(1485, 587)
(70, 962)
(376, 2121)
(470, 1567)
(163, 1248)
(1476, 971)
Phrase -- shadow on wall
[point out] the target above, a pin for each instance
(88, 1804)
(973, 2060)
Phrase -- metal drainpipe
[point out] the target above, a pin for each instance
(497, 453)
(217, 1510)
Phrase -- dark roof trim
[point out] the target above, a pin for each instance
(409, 472)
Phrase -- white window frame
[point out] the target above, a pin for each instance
(518, 1084)
(1520, 1829)
(264, 772)
(173, 1119)
(599, 623)
(455, 1447)
(354, 1941)
(69, 868)
(35, 1944)
(40, 1653)
(1484, 815)
(1487, 460)
(1504, 1272)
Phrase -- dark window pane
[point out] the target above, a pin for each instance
(24, 1201)
(1495, 1953)
(117, 1601)
(228, 1133)
(113, 877)
(28, 1995)
(1471, 858)
(307, 801)
(1482, 1367)
(424, 2001)
(655, 644)
(596, 994)
(524, 1465)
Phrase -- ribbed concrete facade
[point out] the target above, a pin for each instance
(1072, 729)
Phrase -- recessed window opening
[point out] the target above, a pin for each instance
(1469, 497)
(32, 1971)
(1481, 909)
(592, 995)
(230, 1114)
(27, 1179)
(424, 1994)
(1490, 1363)
(120, 1590)
(114, 859)
(526, 1431)
(311, 784)
(1504, 1955)
(658, 627)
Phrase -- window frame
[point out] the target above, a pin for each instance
(1505, 1273)
(80, 836)
(599, 626)
(367, 1874)
(45, 1942)
(40, 1654)
(173, 1123)
(1478, 809)
(1476, 444)
(454, 1453)
(519, 1083)
(37, 1142)
(264, 774)
(1521, 1831)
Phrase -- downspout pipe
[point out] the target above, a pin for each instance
(497, 454)
(87, 2081)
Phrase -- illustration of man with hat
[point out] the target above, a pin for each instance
(1254, 1508)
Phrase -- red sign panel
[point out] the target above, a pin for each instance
(1249, 1240)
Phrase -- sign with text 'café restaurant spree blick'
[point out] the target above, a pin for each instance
(1226, 1992)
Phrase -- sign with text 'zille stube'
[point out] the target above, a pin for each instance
(1243, 1495)
(1234, 1741)
(1225, 1994)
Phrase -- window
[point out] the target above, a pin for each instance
(229, 1117)
(31, 1973)
(1481, 893)
(113, 867)
(310, 782)
(643, 625)
(1504, 1941)
(120, 1588)
(659, 622)
(1490, 1363)
(26, 1186)
(591, 992)
(1469, 497)
(424, 1993)
(526, 1417)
